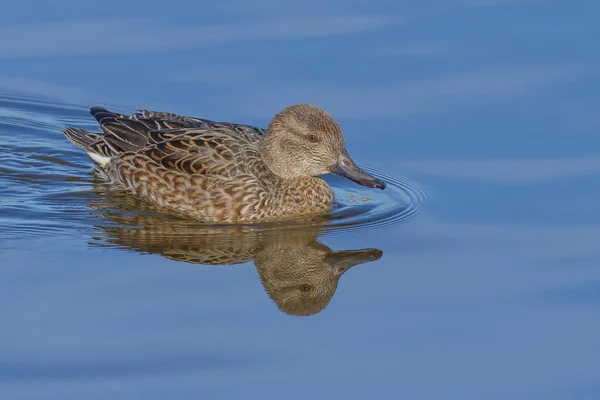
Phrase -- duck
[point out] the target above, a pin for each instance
(223, 172)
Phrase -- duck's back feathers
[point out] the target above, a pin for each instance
(198, 151)
(156, 133)
(132, 132)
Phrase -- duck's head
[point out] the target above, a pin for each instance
(304, 140)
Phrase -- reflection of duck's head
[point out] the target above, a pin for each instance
(301, 280)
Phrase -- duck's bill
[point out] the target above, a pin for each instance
(341, 261)
(348, 169)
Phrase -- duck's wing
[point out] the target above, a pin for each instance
(217, 150)
(248, 130)
(154, 132)
(133, 132)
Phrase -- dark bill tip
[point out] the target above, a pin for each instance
(348, 169)
(341, 261)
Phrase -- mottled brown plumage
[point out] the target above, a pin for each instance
(223, 172)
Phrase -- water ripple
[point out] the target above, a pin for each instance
(398, 203)
(47, 186)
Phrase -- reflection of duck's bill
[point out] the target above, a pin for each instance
(341, 261)
(347, 168)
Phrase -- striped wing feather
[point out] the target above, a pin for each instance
(186, 144)
(217, 151)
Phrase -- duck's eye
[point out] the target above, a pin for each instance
(305, 288)
(313, 138)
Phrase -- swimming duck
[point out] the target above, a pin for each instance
(223, 172)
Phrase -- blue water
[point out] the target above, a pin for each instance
(484, 280)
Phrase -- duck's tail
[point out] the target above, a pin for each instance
(92, 143)
(81, 137)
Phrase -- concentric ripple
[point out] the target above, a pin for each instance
(360, 208)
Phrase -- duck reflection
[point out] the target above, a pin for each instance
(299, 273)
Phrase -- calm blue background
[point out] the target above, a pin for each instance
(492, 292)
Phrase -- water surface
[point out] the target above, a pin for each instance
(476, 271)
